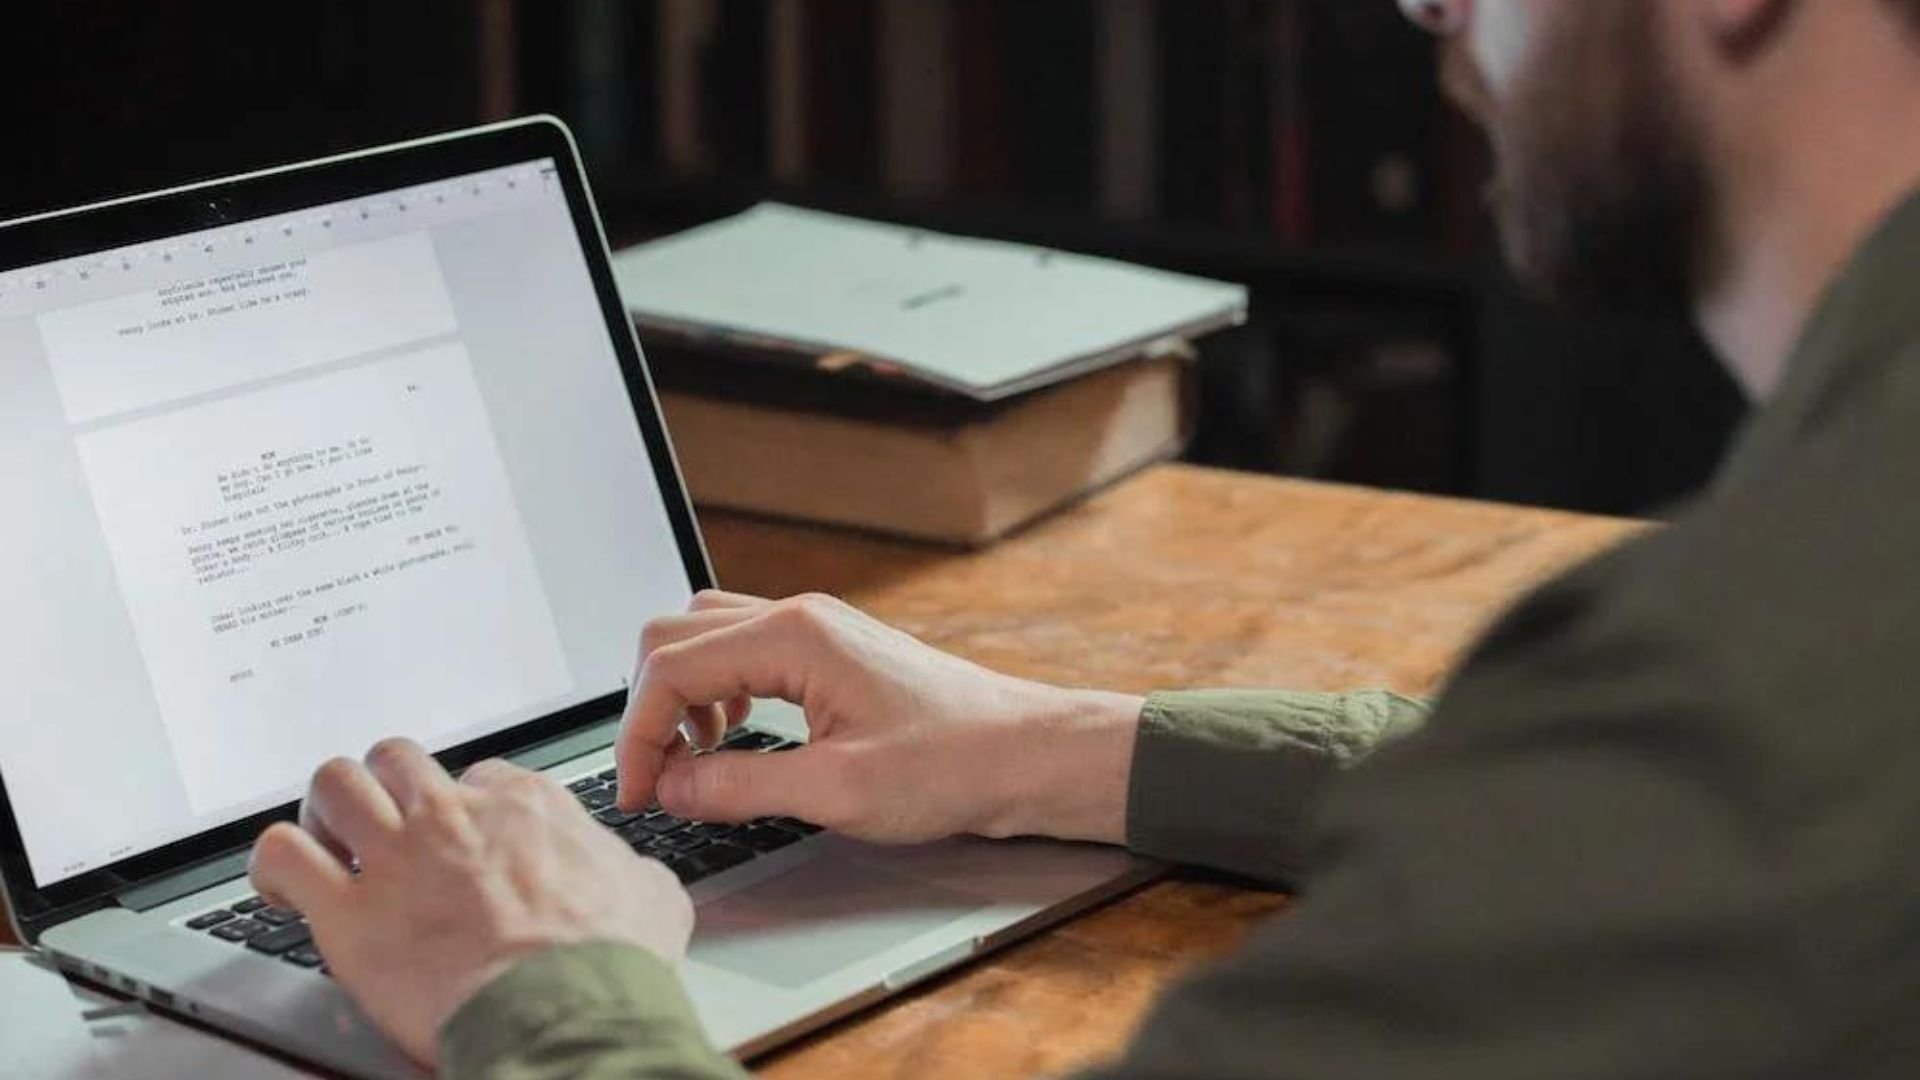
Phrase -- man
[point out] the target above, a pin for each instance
(1663, 823)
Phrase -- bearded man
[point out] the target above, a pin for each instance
(1662, 823)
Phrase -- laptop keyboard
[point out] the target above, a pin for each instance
(694, 850)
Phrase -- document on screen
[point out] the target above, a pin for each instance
(275, 317)
(315, 565)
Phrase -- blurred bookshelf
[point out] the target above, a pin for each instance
(1298, 146)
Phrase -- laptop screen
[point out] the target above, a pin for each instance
(282, 488)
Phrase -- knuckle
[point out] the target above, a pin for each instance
(388, 751)
(705, 599)
(819, 603)
(652, 636)
(334, 775)
(440, 805)
(800, 615)
(662, 663)
(273, 845)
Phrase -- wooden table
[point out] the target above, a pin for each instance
(1181, 577)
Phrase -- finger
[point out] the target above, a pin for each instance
(767, 656)
(735, 787)
(672, 629)
(494, 773)
(347, 810)
(406, 770)
(292, 868)
(704, 726)
(504, 784)
(709, 599)
(738, 710)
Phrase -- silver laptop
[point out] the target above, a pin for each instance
(296, 460)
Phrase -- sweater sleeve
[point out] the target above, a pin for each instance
(1228, 778)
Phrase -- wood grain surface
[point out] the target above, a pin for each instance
(1180, 577)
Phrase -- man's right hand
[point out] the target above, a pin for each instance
(908, 743)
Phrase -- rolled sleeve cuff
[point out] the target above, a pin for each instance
(1230, 779)
(581, 1011)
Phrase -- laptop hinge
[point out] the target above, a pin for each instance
(580, 743)
(163, 890)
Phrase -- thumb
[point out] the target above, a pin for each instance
(734, 786)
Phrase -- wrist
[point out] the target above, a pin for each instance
(1063, 766)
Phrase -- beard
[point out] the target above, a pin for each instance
(1600, 190)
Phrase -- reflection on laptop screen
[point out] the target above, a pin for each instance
(279, 489)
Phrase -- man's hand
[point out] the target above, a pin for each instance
(456, 881)
(907, 743)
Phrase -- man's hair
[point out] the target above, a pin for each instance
(1911, 9)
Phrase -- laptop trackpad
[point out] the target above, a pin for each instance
(818, 919)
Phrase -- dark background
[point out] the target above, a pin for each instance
(1299, 146)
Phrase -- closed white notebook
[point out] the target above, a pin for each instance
(981, 317)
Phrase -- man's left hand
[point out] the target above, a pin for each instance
(455, 882)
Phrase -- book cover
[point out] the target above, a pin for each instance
(916, 98)
(787, 104)
(842, 81)
(983, 159)
(1370, 87)
(686, 29)
(1050, 75)
(733, 88)
(1129, 103)
(1193, 42)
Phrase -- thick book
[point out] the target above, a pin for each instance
(928, 467)
(885, 378)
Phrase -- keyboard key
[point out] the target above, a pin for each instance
(678, 842)
(597, 799)
(658, 824)
(613, 817)
(306, 956)
(635, 832)
(585, 783)
(751, 740)
(277, 916)
(708, 861)
(280, 939)
(610, 776)
(766, 838)
(794, 825)
(211, 918)
(239, 930)
(711, 830)
(250, 905)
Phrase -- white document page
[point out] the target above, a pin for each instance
(973, 314)
(316, 565)
(238, 325)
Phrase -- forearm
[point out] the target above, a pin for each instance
(1062, 772)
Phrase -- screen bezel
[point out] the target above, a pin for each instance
(232, 200)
